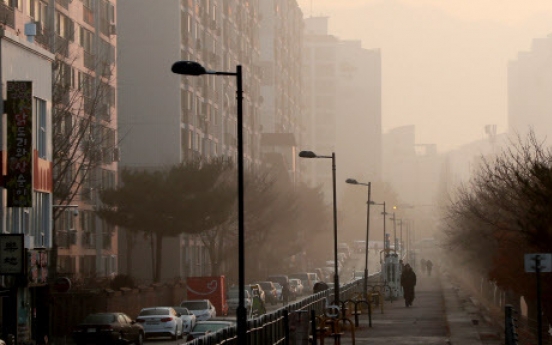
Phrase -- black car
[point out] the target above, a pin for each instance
(108, 328)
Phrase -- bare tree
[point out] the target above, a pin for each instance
(503, 213)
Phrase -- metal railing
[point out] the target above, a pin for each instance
(273, 328)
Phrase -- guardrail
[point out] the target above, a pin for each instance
(273, 328)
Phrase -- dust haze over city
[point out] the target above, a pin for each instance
(225, 142)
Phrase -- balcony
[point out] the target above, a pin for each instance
(7, 15)
(64, 3)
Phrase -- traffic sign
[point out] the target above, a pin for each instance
(545, 262)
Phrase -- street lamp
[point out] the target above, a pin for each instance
(394, 219)
(384, 214)
(369, 185)
(195, 69)
(310, 154)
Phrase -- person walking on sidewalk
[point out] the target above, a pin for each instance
(408, 281)
(429, 267)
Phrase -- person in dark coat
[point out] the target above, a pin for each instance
(408, 281)
(285, 293)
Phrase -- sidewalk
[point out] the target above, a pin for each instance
(440, 314)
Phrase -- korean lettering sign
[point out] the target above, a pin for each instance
(19, 111)
(11, 254)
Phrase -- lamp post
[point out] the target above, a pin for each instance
(394, 219)
(384, 214)
(369, 185)
(310, 154)
(195, 69)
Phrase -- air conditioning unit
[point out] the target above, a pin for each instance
(29, 242)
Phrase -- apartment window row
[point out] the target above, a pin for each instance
(196, 142)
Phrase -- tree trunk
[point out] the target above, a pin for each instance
(158, 254)
(129, 235)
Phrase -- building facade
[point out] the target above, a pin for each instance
(65, 51)
(281, 110)
(529, 89)
(167, 119)
(342, 99)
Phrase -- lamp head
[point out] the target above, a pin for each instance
(351, 181)
(307, 154)
(188, 68)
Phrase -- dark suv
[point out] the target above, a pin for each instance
(271, 294)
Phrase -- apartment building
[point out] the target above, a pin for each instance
(57, 63)
(166, 119)
(529, 88)
(342, 99)
(281, 45)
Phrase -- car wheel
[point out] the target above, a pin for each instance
(140, 340)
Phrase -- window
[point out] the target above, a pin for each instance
(86, 39)
(64, 26)
(42, 129)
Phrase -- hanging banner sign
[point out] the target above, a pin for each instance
(12, 254)
(19, 111)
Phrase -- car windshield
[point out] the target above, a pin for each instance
(99, 318)
(195, 305)
(211, 326)
(182, 311)
(154, 311)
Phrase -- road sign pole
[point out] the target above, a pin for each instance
(539, 311)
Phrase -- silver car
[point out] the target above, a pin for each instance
(203, 309)
(188, 318)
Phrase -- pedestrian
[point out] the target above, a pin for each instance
(423, 265)
(408, 281)
(429, 267)
(285, 293)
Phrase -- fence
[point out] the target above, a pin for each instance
(273, 328)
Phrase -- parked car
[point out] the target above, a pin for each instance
(234, 301)
(108, 328)
(257, 290)
(279, 288)
(282, 279)
(314, 278)
(203, 309)
(254, 290)
(161, 322)
(188, 318)
(271, 293)
(297, 286)
(203, 328)
(305, 280)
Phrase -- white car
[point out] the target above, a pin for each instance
(203, 309)
(188, 318)
(161, 321)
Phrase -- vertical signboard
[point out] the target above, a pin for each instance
(19, 111)
(12, 254)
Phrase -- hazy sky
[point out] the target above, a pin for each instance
(444, 62)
